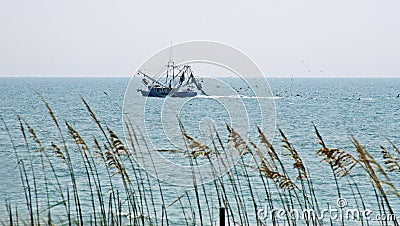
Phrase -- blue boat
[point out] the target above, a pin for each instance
(158, 91)
(171, 84)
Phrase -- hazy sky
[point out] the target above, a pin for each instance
(285, 38)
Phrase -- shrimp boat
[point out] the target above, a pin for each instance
(176, 81)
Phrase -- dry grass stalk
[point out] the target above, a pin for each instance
(92, 115)
(270, 149)
(58, 153)
(196, 147)
(34, 137)
(391, 162)
(371, 166)
(264, 166)
(77, 138)
(112, 162)
(281, 180)
(118, 146)
(298, 163)
(394, 147)
(99, 152)
(237, 142)
(51, 113)
(131, 136)
(340, 161)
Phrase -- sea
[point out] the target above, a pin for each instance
(367, 109)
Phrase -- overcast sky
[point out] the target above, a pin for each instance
(285, 38)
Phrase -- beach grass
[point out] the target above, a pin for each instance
(75, 180)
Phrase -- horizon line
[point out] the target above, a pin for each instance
(273, 76)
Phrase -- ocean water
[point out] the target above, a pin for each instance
(367, 108)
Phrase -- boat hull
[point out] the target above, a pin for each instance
(165, 94)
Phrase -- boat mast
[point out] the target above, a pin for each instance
(170, 64)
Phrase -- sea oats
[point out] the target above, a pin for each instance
(391, 162)
(298, 163)
(196, 147)
(236, 142)
(118, 146)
